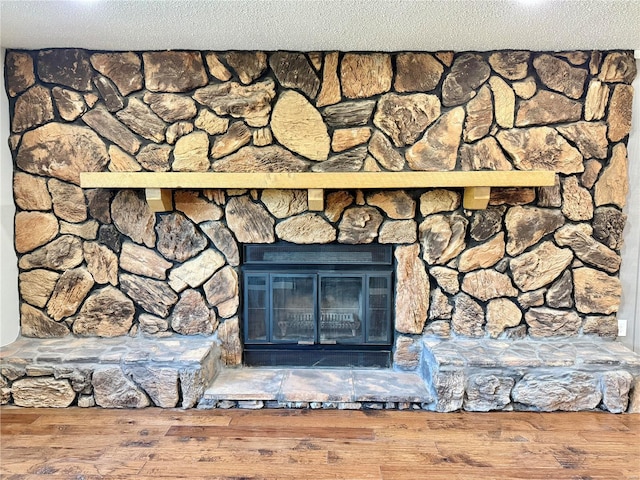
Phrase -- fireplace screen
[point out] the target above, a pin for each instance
(329, 306)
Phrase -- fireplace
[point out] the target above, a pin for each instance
(317, 305)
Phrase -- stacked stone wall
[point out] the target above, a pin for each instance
(539, 262)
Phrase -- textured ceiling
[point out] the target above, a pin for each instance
(386, 25)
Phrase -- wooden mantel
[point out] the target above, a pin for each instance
(477, 184)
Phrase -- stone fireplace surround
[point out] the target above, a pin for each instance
(509, 307)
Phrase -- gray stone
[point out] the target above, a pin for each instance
(438, 148)
(439, 306)
(106, 313)
(486, 223)
(112, 389)
(539, 267)
(52, 150)
(588, 249)
(107, 235)
(487, 284)
(292, 69)
(572, 391)
(159, 383)
(173, 71)
(32, 108)
(449, 387)
(151, 324)
(178, 238)
(251, 103)
(548, 322)
(63, 253)
(305, 229)
(70, 291)
(595, 291)
(348, 114)
(359, 225)
(153, 295)
(560, 294)
(34, 323)
(560, 76)
(261, 160)
(603, 326)
(66, 66)
(608, 226)
(131, 216)
(468, 72)
(487, 392)
(99, 203)
(123, 68)
(404, 117)
(438, 328)
(109, 127)
(42, 392)
(442, 237)
(527, 225)
(222, 292)
(191, 316)
(223, 240)
(412, 290)
(19, 72)
(249, 221)
(196, 271)
(406, 355)
(468, 317)
(615, 390)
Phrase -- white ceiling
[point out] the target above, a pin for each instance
(386, 25)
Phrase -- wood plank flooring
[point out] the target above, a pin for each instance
(92, 444)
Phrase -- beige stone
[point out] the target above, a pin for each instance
(502, 314)
(293, 70)
(577, 203)
(486, 284)
(196, 271)
(439, 200)
(407, 353)
(485, 154)
(272, 158)
(479, 115)
(346, 138)
(618, 67)
(63, 253)
(305, 229)
(113, 389)
(382, 150)
(541, 148)
(540, 266)
(526, 225)
(70, 291)
(359, 225)
(223, 240)
(171, 107)
(439, 307)
(468, 72)
(591, 171)
(102, 263)
(250, 222)
(30, 192)
(36, 286)
(132, 216)
(504, 102)
(20, 72)
(560, 76)
(412, 290)
(445, 57)
(217, 68)
(211, 123)
(262, 137)
(141, 119)
(545, 108)
(438, 148)
(284, 203)
(511, 64)
(155, 157)
(532, 299)
(442, 237)
(336, 202)
(417, 72)
(177, 131)
(230, 343)
(32, 108)
(349, 114)
(251, 103)
(173, 71)
(68, 201)
(512, 196)
(589, 137)
(397, 204)
(143, 261)
(222, 292)
(178, 238)
(237, 136)
(398, 231)
(109, 127)
(297, 125)
(596, 102)
(247, 65)
(547, 322)
(447, 278)
(121, 161)
(525, 89)
(51, 150)
(613, 186)
(404, 117)
(197, 208)
(602, 325)
(484, 255)
(42, 392)
(620, 107)
(364, 75)
(34, 229)
(330, 89)
(190, 153)
(587, 248)
(154, 296)
(123, 68)
(35, 324)
(468, 317)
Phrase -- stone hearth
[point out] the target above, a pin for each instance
(534, 276)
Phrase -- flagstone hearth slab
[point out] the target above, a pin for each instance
(317, 385)
(389, 386)
(246, 384)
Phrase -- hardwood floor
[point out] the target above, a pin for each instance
(143, 444)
